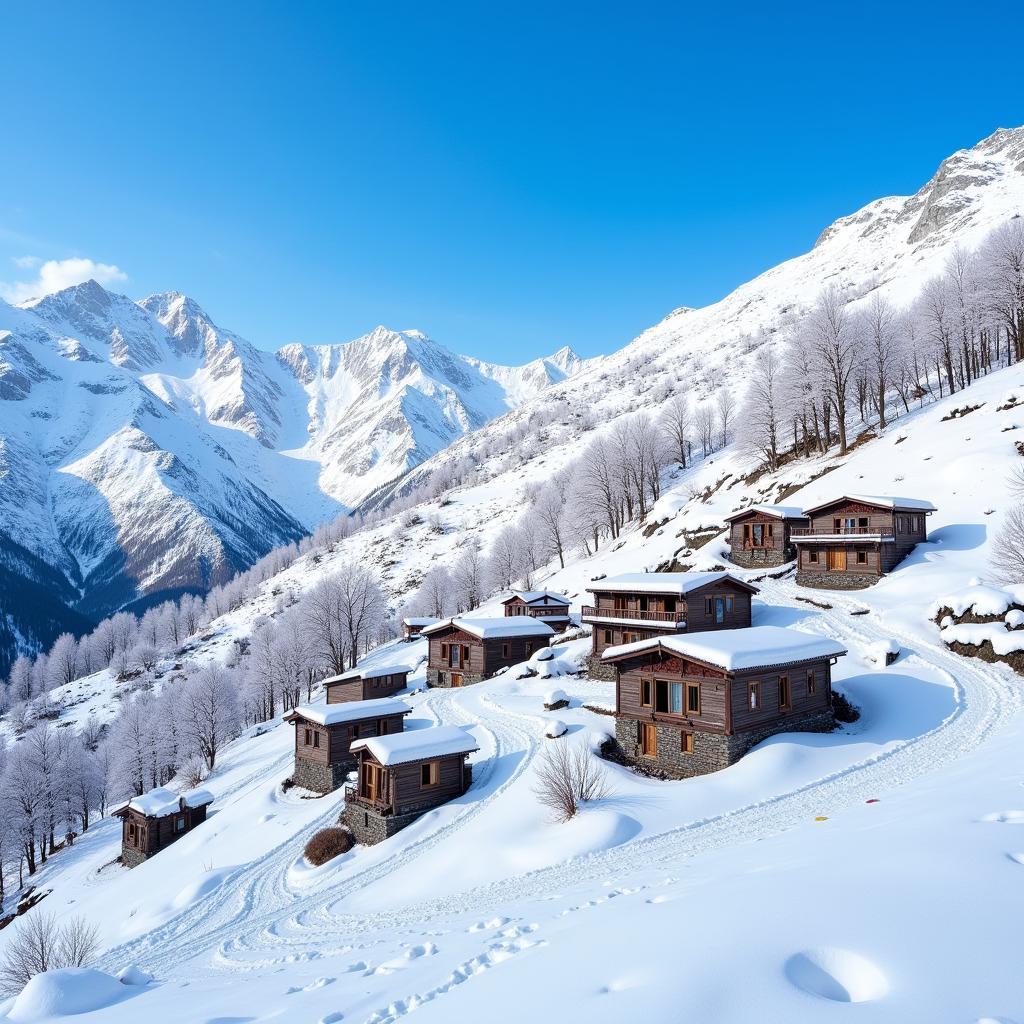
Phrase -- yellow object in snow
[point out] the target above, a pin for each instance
(821, 817)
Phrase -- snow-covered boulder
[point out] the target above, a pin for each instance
(555, 729)
(555, 700)
(1014, 618)
(132, 975)
(884, 652)
(63, 993)
(544, 654)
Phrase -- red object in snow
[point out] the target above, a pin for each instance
(873, 800)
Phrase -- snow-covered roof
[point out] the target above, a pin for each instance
(162, 801)
(419, 621)
(778, 511)
(680, 583)
(418, 745)
(734, 650)
(374, 672)
(882, 500)
(489, 629)
(529, 596)
(350, 710)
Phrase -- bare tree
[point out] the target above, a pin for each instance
(760, 425)
(209, 709)
(1007, 555)
(705, 425)
(879, 325)
(568, 776)
(676, 423)
(41, 944)
(549, 512)
(835, 347)
(725, 406)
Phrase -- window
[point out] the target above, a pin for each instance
(757, 535)
(862, 558)
(899, 524)
(862, 523)
(644, 603)
(444, 652)
(812, 557)
(686, 743)
(179, 824)
(675, 702)
(528, 648)
(630, 638)
(316, 739)
(506, 650)
(133, 832)
(754, 696)
(661, 696)
(430, 774)
(709, 605)
(309, 737)
(693, 698)
(670, 604)
(607, 636)
(784, 695)
(812, 682)
(645, 693)
(728, 603)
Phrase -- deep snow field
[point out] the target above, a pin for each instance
(881, 865)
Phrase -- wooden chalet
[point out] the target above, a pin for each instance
(852, 541)
(548, 605)
(324, 734)
(402, 777)
(366, 683)
(412, 627)
(641, 605)
(694, 703)
(464, 651)
(151, 822)
(762, 535)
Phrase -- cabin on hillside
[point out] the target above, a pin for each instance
(366, 683)
(548, 605)
(464, 651)
(324, 734)
(641, 605)
(402, 777)
(151, 822)
(412, 627)
(694, 703)
(853, 540)
(761, 535)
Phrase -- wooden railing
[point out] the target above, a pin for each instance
(842, 531)
(352, 797)
(633, 614)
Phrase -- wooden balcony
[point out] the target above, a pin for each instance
(381, 804)
(843, 531)
(631, 615)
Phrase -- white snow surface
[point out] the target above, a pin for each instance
(778, 511)
(495, 628)
(160, 801)
(403, 747)
(886, 501)
(680, 583)
(351, 710)
(736, 649)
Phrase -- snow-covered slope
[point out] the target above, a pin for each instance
(144, 449)
(813, 867)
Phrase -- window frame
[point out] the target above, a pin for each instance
(646, 693)
(812, 682)
(862, 557)
(692, 689)
(754, 695)
(506, 649)
(431, 770)
(785, 689)
(812, 556)
(685, 742)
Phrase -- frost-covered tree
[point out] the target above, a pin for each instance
(209, 712)
(879, 327)
(676, 424)
(834, 343)
(760, 418)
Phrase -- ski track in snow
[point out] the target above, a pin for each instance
(257, 919)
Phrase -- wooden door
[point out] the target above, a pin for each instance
(371, 781)
(648, 740)
(456, 679)
(837, 559)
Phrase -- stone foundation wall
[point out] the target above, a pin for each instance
(321, 778)
(132, 858)
(597, 669)
(370, 827)
(760, 558)
(836, 580)
(711, 751)
(437, 677)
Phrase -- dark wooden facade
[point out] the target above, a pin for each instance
(623, 616)
(852, 542)
(352, 686)
(412, 627)
(760, 537)
(552, 608)
(458, 656)
(687, 717)
(143, 834)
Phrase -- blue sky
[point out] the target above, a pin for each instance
(508, 179)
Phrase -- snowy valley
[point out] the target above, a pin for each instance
(877, 864)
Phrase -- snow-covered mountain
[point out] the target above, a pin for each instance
(145, 450)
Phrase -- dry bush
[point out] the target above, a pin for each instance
(327, 844)
(568, 776)
(41, 944)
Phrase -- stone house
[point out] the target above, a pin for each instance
(324, 734)
(366, 683)
(464, 651)
(402, 777)
(761, 535)
(853, 540)
(548, 605)
(641, 605)
(694, 703)
(151, 822)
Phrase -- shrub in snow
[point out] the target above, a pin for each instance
(327, 844)
(40, 943)
(843, 710)
(568, 776)
(556, 729)
(555, 699)
(1014, 618)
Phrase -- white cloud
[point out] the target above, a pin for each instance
(57, 274)
(26, 262)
